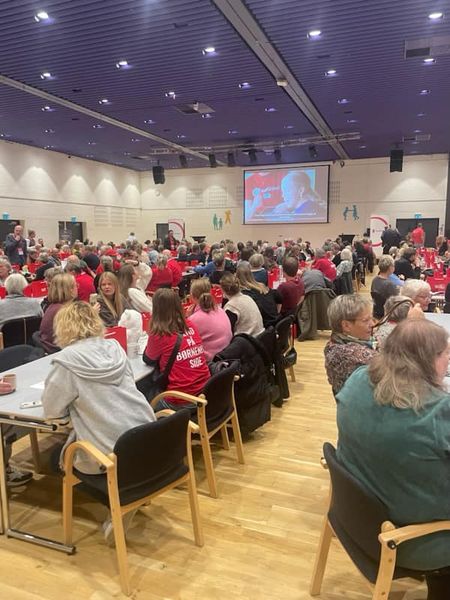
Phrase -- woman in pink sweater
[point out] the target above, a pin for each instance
(210, 320)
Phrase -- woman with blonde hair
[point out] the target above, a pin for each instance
(394, 431)
(242, 311)
(211, 321)
(63, 289)
(268, 301)
(110, 301)
(138, 300)
(162, 276)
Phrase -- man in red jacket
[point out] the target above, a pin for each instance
(418, 236)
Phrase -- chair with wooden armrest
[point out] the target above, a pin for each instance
(216, 410)
(361, 523)
(147, 461)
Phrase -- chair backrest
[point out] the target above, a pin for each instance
(36, 289)
(217, 294)
(146, 318)
(152, 455)
(117, 333)
(283, 331)
(2, 292)
(13, 357)
(20, 331)
(355, 514)
(218, 393)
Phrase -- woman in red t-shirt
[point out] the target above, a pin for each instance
(189, 372)
(162, 276)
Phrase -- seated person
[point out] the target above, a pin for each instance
(395, 412)
(323, 263)
(162, 276)
(211, 321)
(292, 289)
(172, 264)
(351, 344)
(345, 263)
(15, 305)
(85, 283)
(382, 287)
(242, 311)
(195, 254)
(46, 263)
(313, 280)
(189, 372)
(63, 289)
(408, 265)
(5, 270)
(257, 266)
(420, 293)
(221, 265)
(396, 309)
(110, 302)
(268, 301)
(136, 298)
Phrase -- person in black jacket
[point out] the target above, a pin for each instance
(390, 237)
(408, 265)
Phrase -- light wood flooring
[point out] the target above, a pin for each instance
(261, 534)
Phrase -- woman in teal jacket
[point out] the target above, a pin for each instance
(394, 436)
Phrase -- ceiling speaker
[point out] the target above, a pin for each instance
(158, 174)
(212, 161)
(396, 161)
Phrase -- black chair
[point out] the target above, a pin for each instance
(147, 461)
(343, 284)
(285, 337)
(216, 408)
(361, 523)
(20, 331)
(14, 356)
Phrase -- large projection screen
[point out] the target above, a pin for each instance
(290, 195)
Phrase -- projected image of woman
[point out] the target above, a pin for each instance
(298, 195)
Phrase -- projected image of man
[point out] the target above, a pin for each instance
(299, 197)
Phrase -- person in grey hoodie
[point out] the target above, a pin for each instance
(92, 383)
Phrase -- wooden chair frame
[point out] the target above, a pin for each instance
(117, 510)
(390, 538)
(206, 435)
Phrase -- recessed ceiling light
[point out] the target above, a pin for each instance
(48, 147)
(435, 16)
(207, 116)
(270, 109)
(5, 135)
(41, 16)
(89, 156)
(343, 101)
(46, 75)
(245, 85)
(421, 114)
(289, 127)
(47, 109)
(181, 136)
(425, 92)
(149, 121)
(352, 121)
(49, 131)
(314, 33)
(363, 146)
(135, 140)
(97, 126)
(417, 131)
(170, 95)
(104, 101)
(209, 50)
(232, 131)
(92, 143)
(414, 142)
(127, 153)
(331, 73)
(122, 64)
(429, 61)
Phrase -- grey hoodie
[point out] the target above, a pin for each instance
(91, 381)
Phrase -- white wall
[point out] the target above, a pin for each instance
(42, 188)
(196, 195)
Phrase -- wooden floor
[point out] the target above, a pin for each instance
(260, 535)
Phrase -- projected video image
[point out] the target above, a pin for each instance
(296, 195)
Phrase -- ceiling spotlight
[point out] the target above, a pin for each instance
(421, 114)
(49, 131)
(170, 95)
(207, 116)
(47, 109)
(233, 131)
(253, 156)
(352, 121)
(282, 82)
(314, 34)
(363, 147)
(425, 92)
(289, 127)
(270, 109)
(104, 101)
(208, 50)
(429, 61)
(122, 64)
(313, 151)
(343, 101)
(231, 161)
(183, 161)
(277, 154)
(181, 136)
(92, 143)
(135, 140)
(331, 73)
(212, 161)
(46, 75)
(245, 85)
(435, 16)
(41, 16)
(149, 121)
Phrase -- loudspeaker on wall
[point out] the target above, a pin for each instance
(158, 174)
(396, 161)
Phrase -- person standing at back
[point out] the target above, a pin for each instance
(418, 236)
(16, 247)
(390, 237)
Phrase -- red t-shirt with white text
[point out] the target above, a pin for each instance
(189, 372)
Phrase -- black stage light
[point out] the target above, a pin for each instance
(313, 151)
(158, 174)
(212, 161)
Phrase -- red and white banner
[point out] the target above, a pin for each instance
(177, 226)
(378, 223)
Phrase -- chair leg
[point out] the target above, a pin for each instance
(209, 467)
(195, 512)
(35, 450)
(119, 538)
(292, 374)
(225, 439)
(237, 438)
(67, 510)
(385, 574)
(321, 558)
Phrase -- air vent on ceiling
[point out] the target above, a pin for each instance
(433, 46)
(419, 137)
(196, 108)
